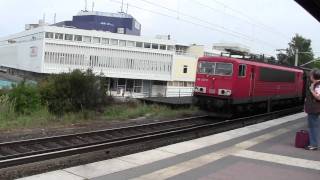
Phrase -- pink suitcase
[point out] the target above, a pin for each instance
(302, 139)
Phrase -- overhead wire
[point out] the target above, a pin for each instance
(248, 19)
(213, 27)
(193, 17)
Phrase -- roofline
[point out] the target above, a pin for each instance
(239, 60)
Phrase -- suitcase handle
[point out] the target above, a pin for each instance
(303, 131)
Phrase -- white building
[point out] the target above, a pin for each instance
(136, 66)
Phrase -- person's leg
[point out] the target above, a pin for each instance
(313, 123)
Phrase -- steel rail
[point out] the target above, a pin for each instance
(147, 136)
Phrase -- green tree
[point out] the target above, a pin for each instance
(303, 46)
(316, 64)
(72, 92)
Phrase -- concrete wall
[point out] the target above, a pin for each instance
(26, 56)
(178, 65)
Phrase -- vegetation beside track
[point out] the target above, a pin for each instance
(42, 118)
(71, 98)
(136, 110)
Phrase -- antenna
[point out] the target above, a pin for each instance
(127, 8)
(54, 18)
(44, 17)
(85, 5)
(121, 6)
(92, 5)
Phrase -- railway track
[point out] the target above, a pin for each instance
(34, 150)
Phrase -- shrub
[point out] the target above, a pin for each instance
(25, 98)
(72, 92)
(6, 107)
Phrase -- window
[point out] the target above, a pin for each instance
(58, 36)
(120, 30)
(185, 69)
(162, 47)
(96, 40)
(159, 83)
(139, 44)
(86, 39)
(206, 67)
(122, 43)
(223, 69)
(114, 42)
(170, 48)
(138, 86)
(104, 41)
(68, 37)
(175, 83)
(49, 35)
(242, 70)
(129, 85)
(130, 43)
(155, 46)
(77, 38)
(147, 45)
(215, 68)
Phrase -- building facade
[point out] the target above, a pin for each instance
(134, 66)
(51, 49)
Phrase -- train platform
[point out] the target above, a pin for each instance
(260, 151)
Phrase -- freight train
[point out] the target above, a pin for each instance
(228, 85)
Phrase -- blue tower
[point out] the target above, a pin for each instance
(101, 21)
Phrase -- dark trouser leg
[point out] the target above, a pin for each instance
(313, 123)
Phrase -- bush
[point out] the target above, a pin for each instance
(73, 92)
(6, 107)
(25, 98)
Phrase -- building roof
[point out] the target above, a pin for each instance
(106, 14)
(312, 6)
(103, 21)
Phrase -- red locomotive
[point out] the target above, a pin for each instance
(227, 85)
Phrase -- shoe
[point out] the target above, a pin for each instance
(310, 148)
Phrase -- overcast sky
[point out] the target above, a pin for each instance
(262, 25)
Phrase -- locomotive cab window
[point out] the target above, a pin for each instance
(215, 68)
(223, 69)
(206, 68)
(242, 70)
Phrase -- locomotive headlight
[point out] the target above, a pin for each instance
(200, 89)
(224, 92)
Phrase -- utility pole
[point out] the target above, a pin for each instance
(296, 56)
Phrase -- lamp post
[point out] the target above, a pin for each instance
(296, 56)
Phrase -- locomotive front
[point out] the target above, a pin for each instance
(214, 82)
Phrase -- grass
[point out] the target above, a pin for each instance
(9, 120)
(39, 119)
(131, 111)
